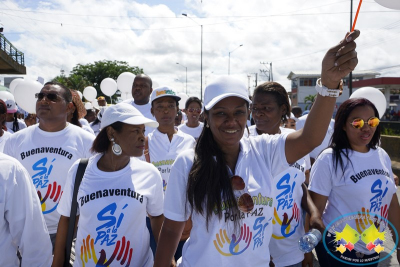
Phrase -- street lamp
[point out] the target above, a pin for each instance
(201, 56)
(229, 64)
(186, 74)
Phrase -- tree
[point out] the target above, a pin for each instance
(309, 98)
(83, 75)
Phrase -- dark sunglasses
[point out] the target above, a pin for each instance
(245, 201)
(50, 96)
(192, 110)
(359, 123)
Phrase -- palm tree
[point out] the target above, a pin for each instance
(309, 98)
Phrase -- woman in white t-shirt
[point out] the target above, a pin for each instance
(4, 135)
(225, 184)
(270, 108)
(116, 193)
(352, 184)
(193, 126)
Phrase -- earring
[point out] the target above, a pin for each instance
(116, 149)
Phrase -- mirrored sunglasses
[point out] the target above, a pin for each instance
(245, 201)
(358, 123)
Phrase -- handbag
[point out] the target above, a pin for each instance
(70, 257)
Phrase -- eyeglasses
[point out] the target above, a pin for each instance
(192, 110)
(50, 96)
(359, 123)
(245, 201)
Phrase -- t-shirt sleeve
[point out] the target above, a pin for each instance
(64, 206)
(321, 176)
(155, 203)
(175, 204)
(9, 147)
(274, 152)
(308, 161)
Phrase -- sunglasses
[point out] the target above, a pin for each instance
(245, 201)
(359, 123)
(50, 96)
(192, 110)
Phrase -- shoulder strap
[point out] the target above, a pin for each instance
(74, 206)
(146, 149)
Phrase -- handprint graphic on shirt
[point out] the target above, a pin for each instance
(54, 193)
(285, 223)
(234, 245)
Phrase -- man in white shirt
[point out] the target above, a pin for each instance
(48, 149)
(141, 90)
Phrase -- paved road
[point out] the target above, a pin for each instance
(391, 261)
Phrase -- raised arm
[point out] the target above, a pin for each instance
(338, 62)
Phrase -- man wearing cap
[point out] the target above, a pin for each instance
(141, 90)
(101, 100)
(48, 149)
(166, 141)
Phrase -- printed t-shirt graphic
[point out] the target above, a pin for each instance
(194, 132)
(112, 207)
(164, 152)
(260, 159)
(366, 187)
(287, 220)
(48, 156)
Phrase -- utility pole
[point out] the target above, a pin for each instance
(269, 69)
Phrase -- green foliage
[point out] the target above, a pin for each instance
(92, 74)
(311, 99)
(389, 131)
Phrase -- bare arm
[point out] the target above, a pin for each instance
(394, 218)
(156, 223)
(170, 235)
(61, 239)
(319, 201)
(338, 62)
(308, 205)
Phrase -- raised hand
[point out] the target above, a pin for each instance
(339, 61)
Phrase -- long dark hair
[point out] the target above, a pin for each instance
(3, 110)
(209, 189)
(15, 126)
(339, 142)
(280, 94)
(101, 143)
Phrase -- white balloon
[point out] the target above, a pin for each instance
(184, 97)
(125, 81)
(393, 4)
(90, 93)
(95, 104)
(126, 95)
(80, 94)
(373, 95)
(24, 94)
(14, 84)
(108, 86)
(88, 105)
(4, 95)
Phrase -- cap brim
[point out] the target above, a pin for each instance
(216, 99)
(142, 120)
(12, 110)
(173, 96)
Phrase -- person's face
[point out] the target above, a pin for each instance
(291, 124)
(102, 103)
(141, 90)
(56, 109)
(193, 112)
(9, 117)
(164, 110)
(227, 121)
(90, 116)
(360, 138)
(178, 119)
(130, 139)
(266, 113)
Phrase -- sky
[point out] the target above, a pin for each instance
(293, 35)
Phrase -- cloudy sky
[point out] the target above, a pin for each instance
(292, 34)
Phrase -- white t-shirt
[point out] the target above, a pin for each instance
(9, 125)
(3, 139)
(88, 129)
(84, 121)
(325, 143)
(287, 222)
(194, 132)
(47, 156)
(367, 184)
(112, 208)
(21, 222)
(95, 127)
(164, 152)
(145, 110)
(260, 159)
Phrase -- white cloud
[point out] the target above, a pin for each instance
(291, 34)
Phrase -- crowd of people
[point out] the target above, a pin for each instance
(235, 180)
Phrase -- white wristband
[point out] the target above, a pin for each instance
(324, 91)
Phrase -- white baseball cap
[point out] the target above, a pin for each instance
(163, 92)
(223, 87)
(125, 113)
